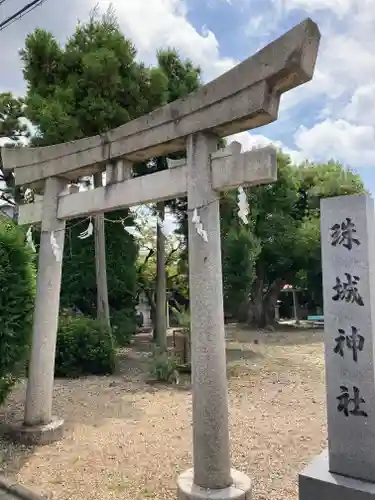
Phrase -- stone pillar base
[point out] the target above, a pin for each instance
(239, 490)
(317, 483)
(36, 434)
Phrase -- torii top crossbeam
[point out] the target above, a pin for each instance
(243, 98)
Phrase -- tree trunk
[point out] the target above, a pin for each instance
(152, 303)
(100, 262)
(269, 303)
(161, 283)
(261, 308)
(255, 307)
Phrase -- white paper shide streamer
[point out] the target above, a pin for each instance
(29, 239)
(128, 229)
(57, 252)
(131, 230)
(87, 232)
(196, 220)
(243, 205)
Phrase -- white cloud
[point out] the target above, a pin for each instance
(339, 7)
(343, 88)
(250, 140)
(340, 140)
(344, 62)
(150, 25)
(347, 61)
(346, 58)
(361, 108)
(260, 26)
(343, 84)
(161, 23)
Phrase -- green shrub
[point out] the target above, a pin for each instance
(78, 286)
(182, 318)
(163, 366)
(124, 326)
(17, 293)
(85, 346)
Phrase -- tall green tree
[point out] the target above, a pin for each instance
(90, 85)
(284, 229)
(11, 113)
(318, 181)
(12, 131)
(281, 243)
(182, 77)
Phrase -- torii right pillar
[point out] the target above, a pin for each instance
(211, 476)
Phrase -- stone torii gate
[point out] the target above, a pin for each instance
(245, 97)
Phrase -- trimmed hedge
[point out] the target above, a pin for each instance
(17, 293)
(85, 346)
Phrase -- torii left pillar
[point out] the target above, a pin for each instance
(39, 426)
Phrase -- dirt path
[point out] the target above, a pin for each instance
(126, 439)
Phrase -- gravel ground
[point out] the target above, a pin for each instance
(126, 439)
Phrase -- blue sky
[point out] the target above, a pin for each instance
(330, 117)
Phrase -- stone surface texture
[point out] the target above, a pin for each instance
(228, 171)
(38, 408)
(245, 97)
(209, 379)
(349, 333)
(9, 490)
(240, 489)
(317, 483)
(36, 434)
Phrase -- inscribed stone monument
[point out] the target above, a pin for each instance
(348, 262)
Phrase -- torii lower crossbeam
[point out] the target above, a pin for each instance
(230, 169)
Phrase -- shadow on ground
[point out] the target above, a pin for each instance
(13, 456)
(108, 401)
(283, 335)
(135, 360)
